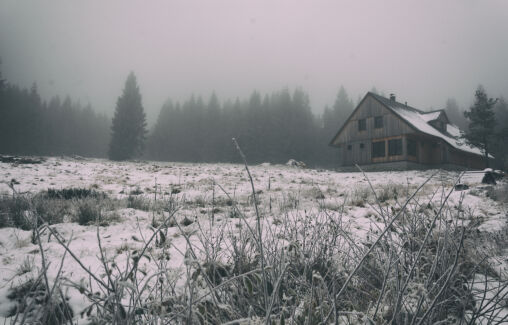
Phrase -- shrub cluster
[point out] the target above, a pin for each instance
(13, 211)
(54, 206)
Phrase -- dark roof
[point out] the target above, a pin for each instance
(392, 103)
(429, 115)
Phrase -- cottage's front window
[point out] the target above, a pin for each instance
(378, 149)
(411, 147)
(395, 147)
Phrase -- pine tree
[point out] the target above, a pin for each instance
(482, 122)
(129, 123)
(500, 148)
(343, 106)
(212, 130)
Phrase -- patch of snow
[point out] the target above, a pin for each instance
(431, 116)
(453, 130)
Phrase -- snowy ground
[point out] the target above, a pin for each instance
(202, 190)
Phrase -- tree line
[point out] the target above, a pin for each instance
(31, 126)
(269, 127)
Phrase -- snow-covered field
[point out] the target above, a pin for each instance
(207, 196)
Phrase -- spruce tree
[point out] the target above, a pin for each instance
(500, 148)
(129, 123)
(482, 122)
(343, 107)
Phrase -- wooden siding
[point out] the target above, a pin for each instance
(356, 155)
(370, 108)
(393, 127)
(429, 150)
(468, 160)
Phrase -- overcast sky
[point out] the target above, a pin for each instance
(424, 51)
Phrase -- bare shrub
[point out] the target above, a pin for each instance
(34, 305)
(53, 206)
(289, 201)
(136, 191)
(26, 266)
(139, 202)
(73, 193)
(52, 209)
(498, 193)
(87, 213)
(360, 196)
(389, 192)
(13, 211)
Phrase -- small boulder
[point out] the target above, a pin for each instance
(461, 187)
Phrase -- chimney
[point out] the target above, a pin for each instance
(392, 97)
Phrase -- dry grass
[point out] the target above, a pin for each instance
(299, 267)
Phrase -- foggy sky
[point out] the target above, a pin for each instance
(424, 51)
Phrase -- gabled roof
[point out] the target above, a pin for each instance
(418, 120)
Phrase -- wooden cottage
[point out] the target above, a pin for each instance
(383, 134)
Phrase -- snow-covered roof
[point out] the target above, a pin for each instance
(418, 119)
(453, 130)
(431, 116)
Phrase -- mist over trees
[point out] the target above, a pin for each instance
(271, 128)
(30, 126)
(129, 123)
(456, 114)
(333, 118)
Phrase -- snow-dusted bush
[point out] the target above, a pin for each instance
(499, 192)
(56, 206)
(51, 209)
(35, 305)
(87, 213)
(138, 202)
(360, 196)
(73, 193)
(13, 211)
